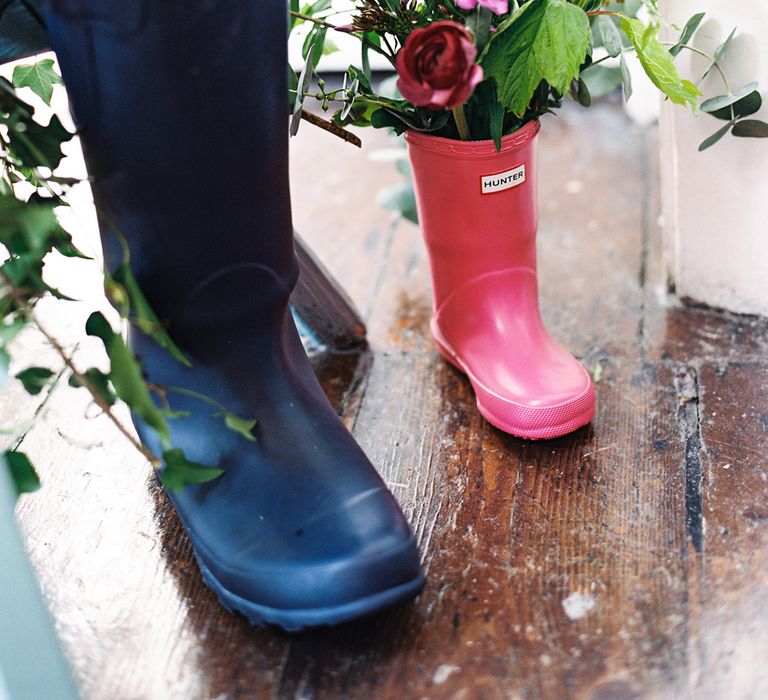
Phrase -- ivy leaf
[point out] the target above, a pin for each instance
(179, 472)
(35, 144)
(34, 379)
(688, 31)
(30, 227)
(10, 329)
(751, 128)
(716, 103)
(546, 40)
(144, 316)
(39, 76)
(126, 375)
(712, 140)
(99, 382)
(744, 107)
(240, 425)
(23, 474)
(5, 361)
(658, 65)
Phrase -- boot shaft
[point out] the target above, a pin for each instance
(181, 108)
(477, 207)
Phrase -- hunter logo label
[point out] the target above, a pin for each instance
(503, 181)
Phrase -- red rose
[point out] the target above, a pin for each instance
(437, 66)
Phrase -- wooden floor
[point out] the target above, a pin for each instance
(628, 560)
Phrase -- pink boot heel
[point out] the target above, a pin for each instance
(477, 210)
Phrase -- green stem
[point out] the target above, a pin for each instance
(461, 122)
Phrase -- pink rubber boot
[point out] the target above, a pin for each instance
(477, 210)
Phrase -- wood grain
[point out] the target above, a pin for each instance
(627, 560)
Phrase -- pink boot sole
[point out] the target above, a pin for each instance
(520, 420)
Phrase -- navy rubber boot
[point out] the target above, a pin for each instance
(182, 112)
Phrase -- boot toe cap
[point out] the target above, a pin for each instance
(349, 561)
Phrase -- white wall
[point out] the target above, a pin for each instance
(715, 203)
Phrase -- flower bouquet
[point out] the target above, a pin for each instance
(473, 78)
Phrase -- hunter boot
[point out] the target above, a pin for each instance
(477, 210)
(182, 112)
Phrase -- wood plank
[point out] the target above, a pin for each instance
(731, 595)
(593, 566)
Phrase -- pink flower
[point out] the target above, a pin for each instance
(436, 66)
(497, 6)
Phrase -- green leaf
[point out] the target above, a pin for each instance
(716, 103)
(10, 329)
(721, 50)
(399, 198)
(626, 77)
(35, 144)
(5, 361)
(240, 425)
(23, 474)
(179, 472)
(99, 382)
(580, 92)
(658, 65)
(479, 23)
(143, 314)
(496, 115)
(601, 79)
(30, 227)
(39, 76)
(35, 379)
(688, 31)
(719, 53)
(611, 35)
(751, 128)
(546, 40)
(126, 375)
(743, 108)
(712, 140)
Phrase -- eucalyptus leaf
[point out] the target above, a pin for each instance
(601, 79)
(35, 379)
(720, 51)
(546, 40)
(658, 65)
(715, 103)
(23, 474)
(688, 31)
(747, 105)
(399, 198)
(40, 77)
(712, 140)
(610, 35)
(751, 128)
(179, 472)
(626, 77)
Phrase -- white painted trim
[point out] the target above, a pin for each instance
(715, 204)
